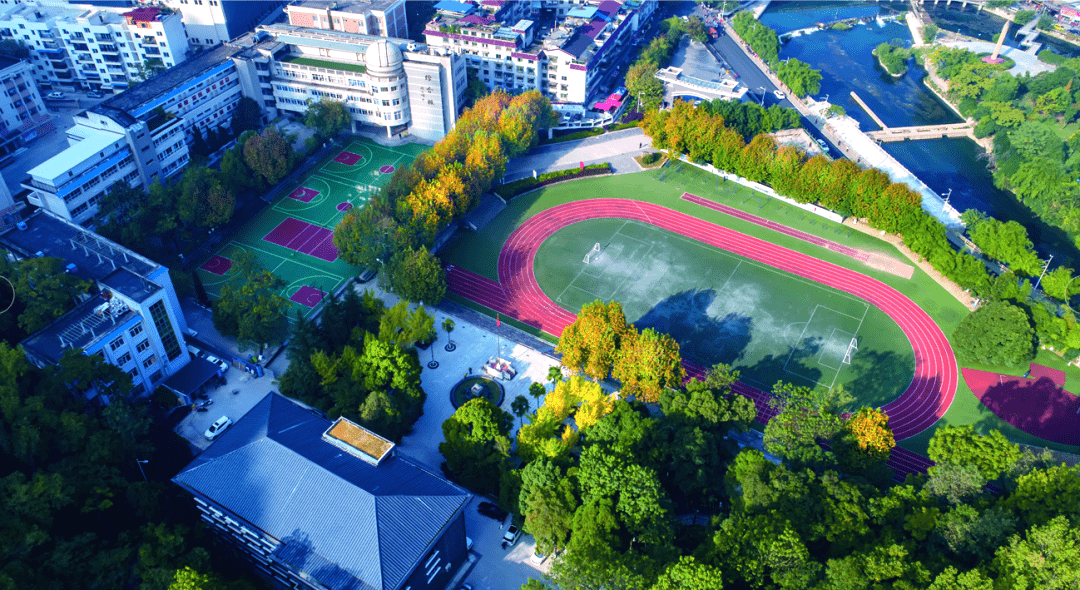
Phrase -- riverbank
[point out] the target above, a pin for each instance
(898, 56)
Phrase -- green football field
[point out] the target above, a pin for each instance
(315, 204)
(722, 308)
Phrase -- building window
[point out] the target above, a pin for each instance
(149, 362)
(155, 376)
(142, 346)
(136, 331)
(125, 359)
(164, 328)
(134, 373)
(116, 343)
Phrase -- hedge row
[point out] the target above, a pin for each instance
(512, 189)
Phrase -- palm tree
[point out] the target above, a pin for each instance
(537, 390)
(520, 407)
(555, 374)
(448, 326)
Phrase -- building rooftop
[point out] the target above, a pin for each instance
(89, 322)
(345, 522)
(94, 141)
(352, 6)
(327, 39)
(454, 7)
(94, 257)
(358, 441)
(128, 101)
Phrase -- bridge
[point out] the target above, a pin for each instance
(922, 132)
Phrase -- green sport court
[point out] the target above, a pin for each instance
(293, 237)
(722, 308)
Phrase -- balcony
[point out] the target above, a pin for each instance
(109, 49)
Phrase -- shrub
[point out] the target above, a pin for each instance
(650, 158)
(513, 189)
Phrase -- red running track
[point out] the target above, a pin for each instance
(518, 295)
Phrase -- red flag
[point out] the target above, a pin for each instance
(583, 164)
(497, 322)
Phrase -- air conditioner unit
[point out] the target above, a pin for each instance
(411, 46)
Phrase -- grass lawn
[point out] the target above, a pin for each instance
(479, 252)
(491, 390)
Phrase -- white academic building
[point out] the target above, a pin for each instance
(212, 22)
(93, 47)
(569, 51)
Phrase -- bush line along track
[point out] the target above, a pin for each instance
(518, 295)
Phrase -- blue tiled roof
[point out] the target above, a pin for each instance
(347, 523)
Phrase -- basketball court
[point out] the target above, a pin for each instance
(720, 307)
(293, 238)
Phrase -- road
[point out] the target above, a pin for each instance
(755, 79)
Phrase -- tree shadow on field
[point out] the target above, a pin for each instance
(881, 377)
(703, 339)
(765, 373)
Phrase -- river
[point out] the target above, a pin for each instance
(846, 64)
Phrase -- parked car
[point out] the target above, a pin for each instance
(779, 95)
(824, 146)
(224, 366)
(220, 425)
(491, 511)
(366, 275)
(537, 557)
(55, 95)
(93, 94)
(512, 534)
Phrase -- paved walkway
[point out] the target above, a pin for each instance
(616, 147)
(1026, 63)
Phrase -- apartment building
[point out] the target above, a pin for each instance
(381, 18)
(137, 136)
(317, 504)
(132, 319)
(22, 112)
(393, 84)
(93, 47)
(567, 50)
(212, 22)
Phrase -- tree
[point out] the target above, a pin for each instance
(247, 116)
(647, 364)
(366, 237)
(476, 445)
(251, 307)
(198, 144)
(1047, 558)
(416, 275)
(799, 77)
(688, 574)
(14, 48)
(997, 333)
(806, 418)
(235, 173)
(548, 502)
(929, 33)
(520, 407)
(643, 85)
(404, 327)
(866, 440)
(590, 345)
(43, 290)
(992, 455)
(269, 155)
(203, 199)
(327, 118)
(448, 327)
(1046, 23)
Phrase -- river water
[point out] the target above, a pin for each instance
(846, 64)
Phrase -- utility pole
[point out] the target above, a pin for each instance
(140, 464)
(762, 95)
(1045, 267)
(947, 196)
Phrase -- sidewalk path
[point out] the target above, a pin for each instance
(616, 147)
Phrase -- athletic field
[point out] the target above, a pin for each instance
(723, 308)
(293, 238)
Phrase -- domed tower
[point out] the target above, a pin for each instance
(386, 73)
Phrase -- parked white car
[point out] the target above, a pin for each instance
(220, 425)
(55, 95)
(224, 366)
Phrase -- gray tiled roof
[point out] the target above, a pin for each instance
(347, 523)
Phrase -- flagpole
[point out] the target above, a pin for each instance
(498, 338)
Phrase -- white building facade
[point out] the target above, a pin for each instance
(380, 18)
(213, 22)
(95, 48)
(393, 84)
(568, 56)
(22, 112)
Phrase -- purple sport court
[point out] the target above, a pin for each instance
(304, 194)
(307, 296)
(305, 238)
(348, 158)
(387, 169)
(218, 265)
(344, 206)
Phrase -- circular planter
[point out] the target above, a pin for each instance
(460, 393)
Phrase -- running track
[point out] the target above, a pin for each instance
(518, 295)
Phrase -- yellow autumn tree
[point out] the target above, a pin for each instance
(549, 433)
(872, 435)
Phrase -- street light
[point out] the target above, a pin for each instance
(762, 88)
(140, 464)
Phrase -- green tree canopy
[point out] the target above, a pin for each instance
(269, 155)
(475, 444)
(997, 333)
(416, 275)
(327, 117)
(251, 307)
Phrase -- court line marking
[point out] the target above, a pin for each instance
(581, 270)
(841, 367)
(298, 263)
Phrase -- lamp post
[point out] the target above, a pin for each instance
(762, 88)
(140, 464)
(639, 103)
